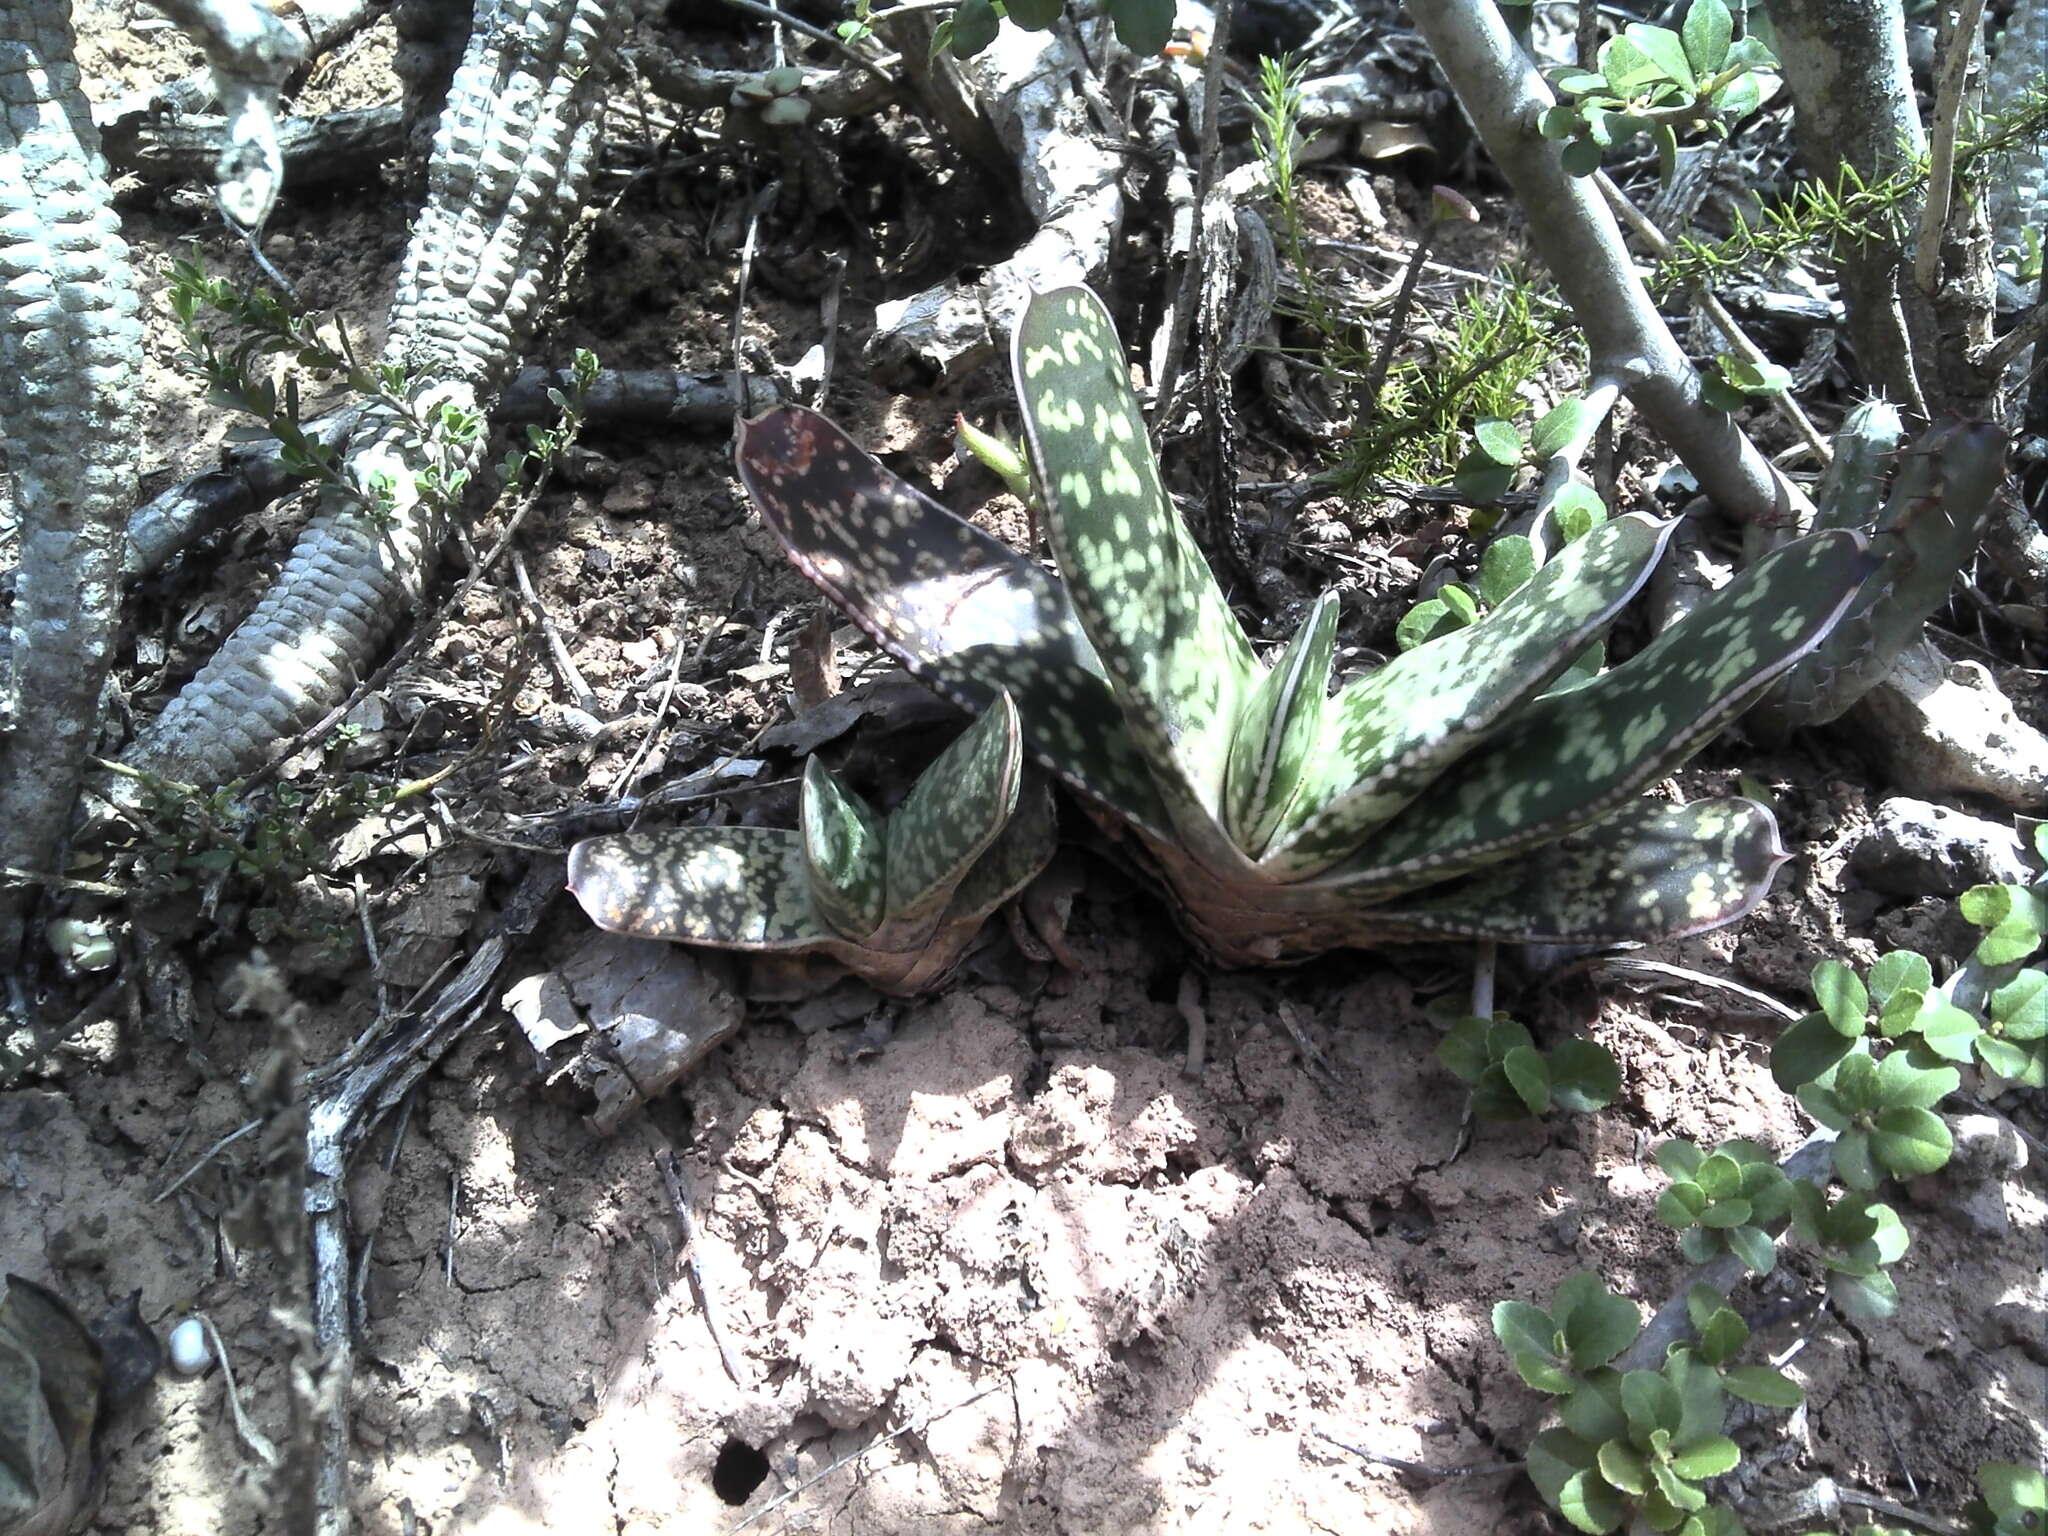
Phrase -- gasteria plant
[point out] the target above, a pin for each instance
(894, 899)
(1454, 791)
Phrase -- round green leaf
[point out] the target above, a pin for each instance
(1754, 1246)
(974, 27)
(1763, 1386)
(1723, 1336)
(1900, 968)
(2008, 1060)
(1986, 905)
(1902, 1011)
(1719, 1176)
(1948, 1031)
(1542, 1374)
(2012, 940)
(1508, 563)
(1523, 1328)
(1889, 1235)
(1852, 1160)
(1723, 1214)
(1681, 1493)
(1864, 1298)
(1424, 622)
(1494, 1097)
(1576, 511)
(1459, 601)
(1593, 1412)
(1900, 1083)
(1678, 1157)
(1499, 440)
(1822, 1104)
(1143, 26)
(1530, 1077)
(1664, 48)
(1710, 1457)
(1034, 15)
(1650, 1402)
(1841, 996)
(1573, 81)
(1626, 67)
(1909, 1141)
(1599, 1329)
(1855, 1083)
(1623, 1466)
(1702, 1301)
(2021, 1006)
(1584, 1076)
(1592, 1506)
(1559, 121)
(1560, 425)
(1706, 32)
(2012, 1490)
(1553, 1457)
(1581, 157)
(1463, 1049)
(1679, 1206)
(1720, 394)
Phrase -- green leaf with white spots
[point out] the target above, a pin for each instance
(1280, 726)
(953, 813)
(1413, 803)
(732, 887)
(843, 853)
(963, 611)
(1926, 531)
(1388, 735)
(1174, 652)
(1014, 859)
(1010, 864)
(1568, 759)
(896, 900)
(1647, 871)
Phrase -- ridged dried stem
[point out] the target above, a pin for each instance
(512, 159)
(70, 353)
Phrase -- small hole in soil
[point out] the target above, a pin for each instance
(740, 1470)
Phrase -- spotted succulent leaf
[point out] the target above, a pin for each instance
(1010, 863)
(953, 813)
(1174, 652)
(732, 887)
(1409, 804)
(896, 900)
(1279, 730)
(960, 609)
(1925, 532)
(843, 853)
(1388, 735)
(1570, 759)
(1647, 871)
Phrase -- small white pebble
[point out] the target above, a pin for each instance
(190, 1353)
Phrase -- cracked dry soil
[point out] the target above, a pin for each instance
(1045, 1281)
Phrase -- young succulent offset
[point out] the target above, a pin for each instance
(1454, 791)
(894, 899)
(1923, 532)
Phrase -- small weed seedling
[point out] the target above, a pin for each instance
(1634, 1445)
(1510, 1078)
(1656, 81)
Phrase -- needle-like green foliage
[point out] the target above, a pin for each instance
(1466, 788)
(894, 899)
